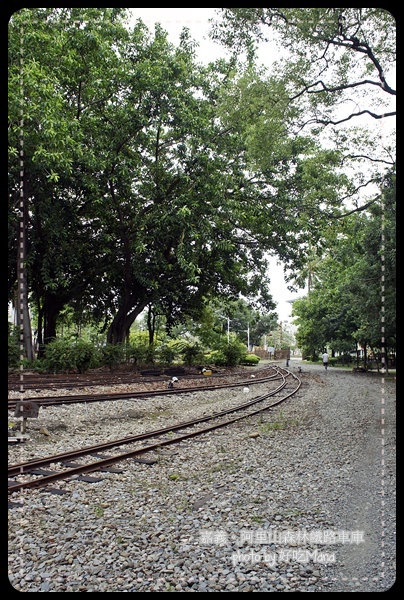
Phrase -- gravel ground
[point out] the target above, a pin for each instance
(301, 498)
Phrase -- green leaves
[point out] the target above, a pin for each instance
(52, 176)
(333, 79)
(152, 180)
(344, 302)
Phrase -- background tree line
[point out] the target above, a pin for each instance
(153, 182)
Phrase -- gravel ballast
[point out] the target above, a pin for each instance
(301, 498)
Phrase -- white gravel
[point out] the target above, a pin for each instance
(301, 498)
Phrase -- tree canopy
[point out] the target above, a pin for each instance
(353, 300)
(333, 78)
(153, 181)
(337, 69)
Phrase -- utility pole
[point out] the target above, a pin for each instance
(247, 331)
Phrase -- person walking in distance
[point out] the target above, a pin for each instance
(325, 360)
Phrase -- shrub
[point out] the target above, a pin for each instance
(192, 353)
(150, 354)
(138, 345)
(215, 357)
(136, 354)
(59, 356)
(234, 351)
(250, 359)
(167, 354)
(345, 359)
(39, 365)
(227, 354)
(65, 355)
(84, 355)
(112, 355)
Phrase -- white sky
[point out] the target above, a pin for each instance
(173, 20)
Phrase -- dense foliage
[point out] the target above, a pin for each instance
(336, 69)
(155, 183)
(352, 302)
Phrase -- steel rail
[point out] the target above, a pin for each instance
(76, 398)
(35, 463)
(26, 468)
(49, 381)
(73, 381)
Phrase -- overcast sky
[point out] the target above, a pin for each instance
(173, 20)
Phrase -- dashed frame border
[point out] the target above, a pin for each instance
(22, 291)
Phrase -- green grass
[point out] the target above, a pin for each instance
(280, 423)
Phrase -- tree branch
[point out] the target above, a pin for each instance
(339, 88)
(352, 116)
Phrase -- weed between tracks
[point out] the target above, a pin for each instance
(99, 511)
(280, 423)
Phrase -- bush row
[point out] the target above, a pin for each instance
(67, 355)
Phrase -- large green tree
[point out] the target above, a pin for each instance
(143, 178)
(172, 191)
(56, 66)
(324, 54)
(336, 67)
(333, 78)
(129, 178)
(353, 299)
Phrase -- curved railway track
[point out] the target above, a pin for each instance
(76, 398)
(65, 466)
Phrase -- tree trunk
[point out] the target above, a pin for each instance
(151, 321)
(23, 317)
(118, 331)
(52, 307)
(24, 324)
(39, 335)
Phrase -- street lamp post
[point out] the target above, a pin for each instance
(228, 326)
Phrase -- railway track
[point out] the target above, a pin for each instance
(33, 381)
(77, 398)
(34, 474)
